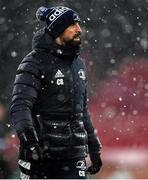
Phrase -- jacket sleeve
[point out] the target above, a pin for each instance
(94, 143)
(25, 92)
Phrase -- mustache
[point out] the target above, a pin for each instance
(77, 35)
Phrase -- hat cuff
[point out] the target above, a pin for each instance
(57, 32)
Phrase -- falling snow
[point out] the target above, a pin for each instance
(13, 54)
(115, 48)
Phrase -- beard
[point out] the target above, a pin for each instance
(73, 42)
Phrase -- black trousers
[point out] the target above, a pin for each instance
(54, 169)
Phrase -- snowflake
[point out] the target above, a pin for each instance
(13, 54)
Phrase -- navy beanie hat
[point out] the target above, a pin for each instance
(57, 18)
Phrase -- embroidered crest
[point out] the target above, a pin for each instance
(82, 74)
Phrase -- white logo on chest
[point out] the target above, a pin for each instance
(60, 82)
(82, 74)
(59, 75)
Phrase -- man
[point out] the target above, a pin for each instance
(49, 103)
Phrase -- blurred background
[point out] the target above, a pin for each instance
(115, 47)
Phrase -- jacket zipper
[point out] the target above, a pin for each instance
(73, 88)
(73, 100)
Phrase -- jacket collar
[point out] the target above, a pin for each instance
(44, 42)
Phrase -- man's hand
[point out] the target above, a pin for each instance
(33, 152)
(96, 163)
(30, 145)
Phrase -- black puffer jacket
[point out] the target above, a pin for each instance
(50, 95)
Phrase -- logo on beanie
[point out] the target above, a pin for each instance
(57, 18)
(57, 13)
(76, 17)
(43, 9)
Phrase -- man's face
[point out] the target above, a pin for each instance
(72, 35)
